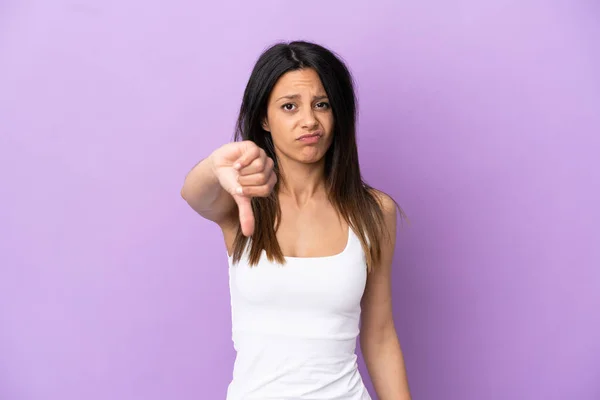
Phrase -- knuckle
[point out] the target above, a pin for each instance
(252, 152)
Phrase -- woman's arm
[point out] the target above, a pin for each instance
(379, 342)
(203, 192)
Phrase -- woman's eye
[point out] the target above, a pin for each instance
(288, 107)
(323, 105)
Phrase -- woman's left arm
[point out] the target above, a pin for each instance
(378, 339)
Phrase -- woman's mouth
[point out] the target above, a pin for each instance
(311, 137)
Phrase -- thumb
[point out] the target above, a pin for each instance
(246, 214)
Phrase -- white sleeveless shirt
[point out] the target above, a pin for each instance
(295, 326)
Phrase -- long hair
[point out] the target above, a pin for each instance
(354, 200)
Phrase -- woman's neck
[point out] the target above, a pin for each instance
(302, 182)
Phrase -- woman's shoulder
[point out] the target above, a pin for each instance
(388, 205)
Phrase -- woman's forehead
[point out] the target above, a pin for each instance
(294, 83)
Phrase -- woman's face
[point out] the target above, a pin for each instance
(299, 117)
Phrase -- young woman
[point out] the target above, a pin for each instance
(309, 243)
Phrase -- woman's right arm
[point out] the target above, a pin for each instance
(203, 192)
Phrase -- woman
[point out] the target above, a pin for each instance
(309, 244)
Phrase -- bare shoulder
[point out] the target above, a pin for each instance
(389, 207)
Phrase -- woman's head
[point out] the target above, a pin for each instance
(298, 89)
(300, 105)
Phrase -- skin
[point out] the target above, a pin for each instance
(219, 189)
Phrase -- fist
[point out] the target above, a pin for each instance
(244, 171)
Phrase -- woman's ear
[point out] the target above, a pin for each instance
(265, 125)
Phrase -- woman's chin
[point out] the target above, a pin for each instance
(311, 156)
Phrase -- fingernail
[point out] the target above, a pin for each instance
(239, 190)
(237, 166)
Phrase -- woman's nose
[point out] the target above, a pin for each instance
(309, 120)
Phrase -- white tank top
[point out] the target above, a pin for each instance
(295, 326)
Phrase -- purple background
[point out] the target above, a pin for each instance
(487, 118)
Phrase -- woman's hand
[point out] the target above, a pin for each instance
(244, 171)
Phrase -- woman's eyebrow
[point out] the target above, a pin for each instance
(296, 96)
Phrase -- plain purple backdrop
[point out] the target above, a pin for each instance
(482, 119)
